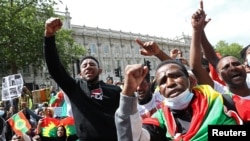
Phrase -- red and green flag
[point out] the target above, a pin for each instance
(19, 123)
(49, 127)
(207, 109)
(57, 100)
(69, 124)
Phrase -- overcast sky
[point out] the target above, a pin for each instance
(164, 18)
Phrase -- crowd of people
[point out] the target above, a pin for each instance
(16, 112)
(187, 109)
(179, 104)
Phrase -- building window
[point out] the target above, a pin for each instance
(117, 49)
(107, 65)
(118, 63)
(106, 49)
(108, 68)
(93, 48)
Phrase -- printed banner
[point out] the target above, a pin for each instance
(12, 86)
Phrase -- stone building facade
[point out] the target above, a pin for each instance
(116, 49)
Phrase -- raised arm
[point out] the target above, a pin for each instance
(198, 23)
(55, 68)
(208, 49)
(151, 48)
(34, 115)
(127, 118)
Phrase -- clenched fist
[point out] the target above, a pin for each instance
(51, 26)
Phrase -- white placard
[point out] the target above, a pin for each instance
(12, 86)
(57, 111)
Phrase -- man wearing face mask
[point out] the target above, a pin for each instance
(2, 124)
(185, 113)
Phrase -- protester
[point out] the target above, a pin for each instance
(180, 117)
(199, 71)
(229, 69)
(245, 55)
(7, 132)
(188, 110)
(178, 55)
(93, 101)
(109, 80)
(61, 135)
(2, 110)
(25, 100)
(148, 100)
(2, 123)
(48, 113)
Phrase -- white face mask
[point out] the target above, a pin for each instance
(181, 101)
(1, 112)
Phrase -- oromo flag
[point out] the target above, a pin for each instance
(49, 127)
(57, 100)
(69, 124)
(19, 123)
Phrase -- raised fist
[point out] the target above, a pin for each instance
(51, 26)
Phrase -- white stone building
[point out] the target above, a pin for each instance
(116, 49)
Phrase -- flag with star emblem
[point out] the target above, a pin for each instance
(69, 124)
(49, 127)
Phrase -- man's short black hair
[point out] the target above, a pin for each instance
(90, 57)
(243, 52)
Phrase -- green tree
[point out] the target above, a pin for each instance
(21, 32)
(21, 38)
(229, 49)
(68, 49)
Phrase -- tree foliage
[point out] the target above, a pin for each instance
(229, 49)
(22, 29)
(67, 48)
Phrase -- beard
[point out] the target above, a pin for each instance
(146, 99)
(93, 80)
